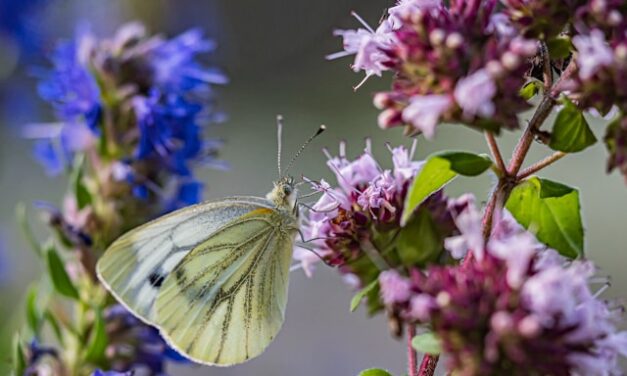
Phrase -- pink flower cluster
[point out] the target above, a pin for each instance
(601, 57)
(518, 309)
(353, 224)
(459, 63)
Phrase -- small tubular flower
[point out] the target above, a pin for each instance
(355, 225)
(515, 302)
(139, 101)
(462, 62)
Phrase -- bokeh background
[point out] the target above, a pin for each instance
(273, 52)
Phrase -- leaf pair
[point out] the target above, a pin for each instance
(549, 209)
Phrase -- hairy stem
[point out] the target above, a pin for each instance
(412, 356)
(428, 365)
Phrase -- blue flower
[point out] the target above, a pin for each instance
(16, 21)
(70, 87)
(111, 373)
(149, 349)
(136, 101)
(168, 130)
(174, 67)
(46, 154)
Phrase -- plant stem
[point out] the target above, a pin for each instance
(510, 175)
(538, 118)
(524, 144)
(428, 365)
(412, 356)
(540, 165)
(495, 151)
(547, 73)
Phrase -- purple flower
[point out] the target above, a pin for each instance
(510, 307)
(353, 223)
(469, 224)
(394, 288)
(474, 94)
(593, 53)
(367, 45)
(424, 112)
(457, 62)
(366, 196)
(405, 8)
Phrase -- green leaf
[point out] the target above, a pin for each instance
(54, 324)
(362, 294)
(419, 242)
(559, 47)
(427, 343)
(22, 220)
(374, 372)
(530, 89)
(552, 211)
(439, 170)
(98, 340)
(60, 279)
(571, 132)
(19, 359)
(83, 197)
(33, 317)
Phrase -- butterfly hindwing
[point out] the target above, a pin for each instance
(225, 301)
(136, 265)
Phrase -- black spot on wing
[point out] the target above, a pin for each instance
(156, 279)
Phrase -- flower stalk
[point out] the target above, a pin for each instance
(511, 174)
(412, 355)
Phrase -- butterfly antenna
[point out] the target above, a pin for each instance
(279, 135)
(321, 129)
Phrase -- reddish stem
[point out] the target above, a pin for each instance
(540, 165)
(495, 151)
(412, 356)
(509, 178)
(428, 365)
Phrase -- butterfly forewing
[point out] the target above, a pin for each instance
(136, 265)
(225, 301)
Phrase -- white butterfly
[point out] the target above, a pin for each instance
(212, 277)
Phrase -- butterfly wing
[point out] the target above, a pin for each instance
(225, 301)
(136, 264)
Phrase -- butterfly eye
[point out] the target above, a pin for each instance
(287, 190)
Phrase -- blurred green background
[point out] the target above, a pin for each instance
(274, 52)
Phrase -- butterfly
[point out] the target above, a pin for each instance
(212, 277)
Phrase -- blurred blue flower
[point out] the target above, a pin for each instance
(168, 131)
(70, 87)
(16, 20)
(45, 153)
(111, 373)
(35, 353)
(149, 349)
(139, 100)
(174, 65)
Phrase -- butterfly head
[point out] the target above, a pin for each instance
(283, 195)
